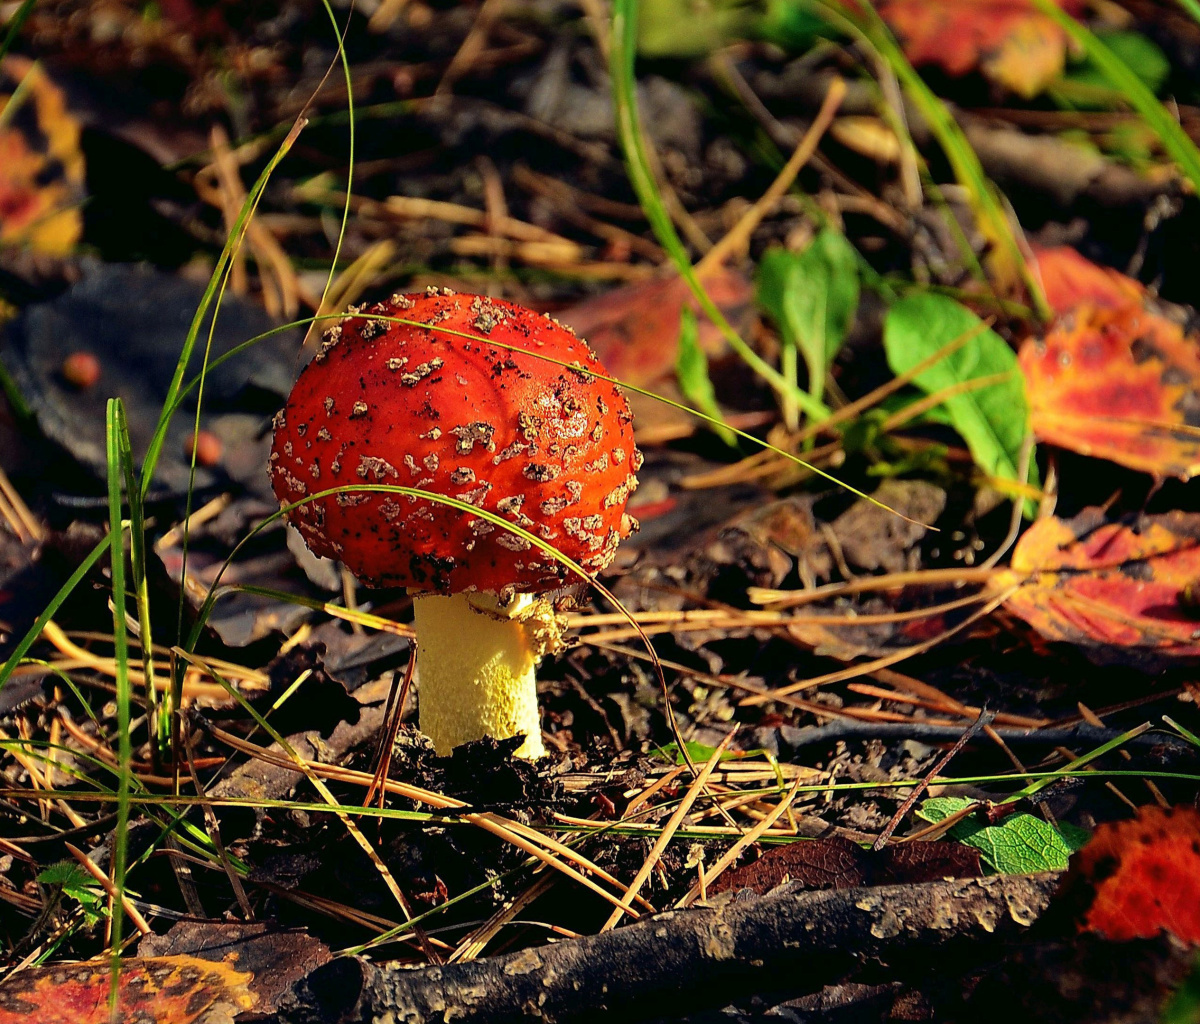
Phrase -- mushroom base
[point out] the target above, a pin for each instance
(476, 665)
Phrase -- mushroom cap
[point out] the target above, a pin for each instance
(546, 447)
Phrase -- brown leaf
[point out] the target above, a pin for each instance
(275, 958)
(838, 863)
(910, 863)
(815, 863)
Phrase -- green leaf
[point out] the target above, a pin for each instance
(1020, 844)
(1138, 53)
(992, 419)
(691, 369)
(812, 296)
(66, 874)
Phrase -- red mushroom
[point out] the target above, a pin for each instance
(544, 446)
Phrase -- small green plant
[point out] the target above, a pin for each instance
(70, 880)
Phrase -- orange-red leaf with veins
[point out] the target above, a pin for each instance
(1119, 384)
(1115, 586)
(1070, 280)
(1115, 376)
(152, 990)
(1142, 876)
(1010, 41)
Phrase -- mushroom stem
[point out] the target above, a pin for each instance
(477, 661)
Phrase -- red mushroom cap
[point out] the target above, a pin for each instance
(547, 447)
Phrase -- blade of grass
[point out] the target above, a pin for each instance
(215, 282)
(1079, 762)
(629, 130)
(1187, 734)
(1175, 140)
(1192, 7)
(15, 24)
(159, 723)
(116, 535)
(872, 29)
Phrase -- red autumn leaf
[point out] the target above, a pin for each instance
(1010, 41)
(1114, 586)
(1113, 377)
(1141, 877)
(1070, 280)
(151, 990)
(1117, 384)
(634, 332)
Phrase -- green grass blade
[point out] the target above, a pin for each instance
(1078, 763)
(215, 282)
(351, 121)
(1175, 140)
(116, 536)
(629, 130)
(1192, 7)
(15, 24)
(137, 562)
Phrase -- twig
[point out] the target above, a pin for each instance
(738, 237)
(983, 720)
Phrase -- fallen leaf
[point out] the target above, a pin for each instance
(1009, 41)
(275, 957)
(1071, 280)
(1113, 377)
(1141, 877)
(815, 863)
(837, 863)
(41, 162)
(634, 332)
(151, 990)
(130, 319)
(1119, 588)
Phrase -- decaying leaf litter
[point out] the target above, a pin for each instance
(936, 251)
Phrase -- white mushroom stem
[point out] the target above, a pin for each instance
(476, 665)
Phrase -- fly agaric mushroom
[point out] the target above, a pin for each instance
(441, 408)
